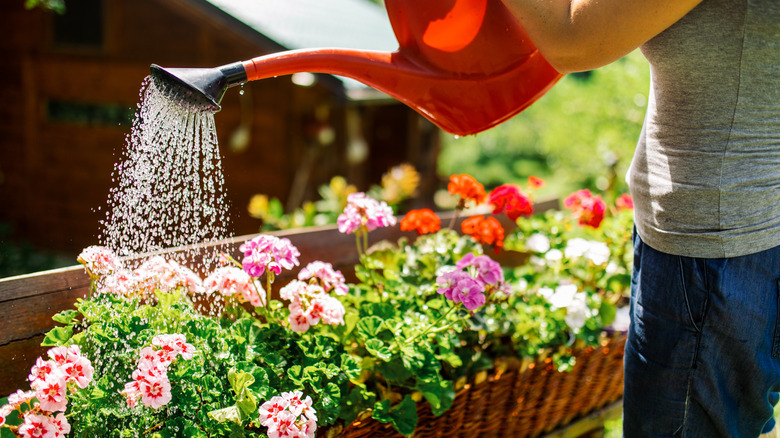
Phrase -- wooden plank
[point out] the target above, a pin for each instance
(16, 359)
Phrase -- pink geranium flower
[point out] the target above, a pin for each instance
(79, 371)
(472, 277)
(324, 274)
(233, 282)
(51, 391)
(38, 426)
(289, 416)
(61, 425)
(174, 345)
(363, 213)
(270, 410)
(310, 304)
(150, 381)
(99, 261)
(268, 253)
(156, 392)
(487, 271)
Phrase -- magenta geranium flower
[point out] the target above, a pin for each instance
(364, 213)
(268, 253)
(460, 287)
(487, 270)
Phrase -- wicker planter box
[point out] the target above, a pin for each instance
(525, 400)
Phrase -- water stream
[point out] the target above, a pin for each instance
(168, 184)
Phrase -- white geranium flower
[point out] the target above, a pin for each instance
(577, 312)
(553, 255)
(576, 248)
(538, 243)
(546, 292)
(597, 252)
(563, 296)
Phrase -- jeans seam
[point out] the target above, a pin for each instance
(685, 296)
(776, 343)
(699, 331)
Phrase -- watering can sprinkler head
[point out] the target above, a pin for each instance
(200, 87)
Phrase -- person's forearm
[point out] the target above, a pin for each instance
(576, 35)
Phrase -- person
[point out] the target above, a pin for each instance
(703, 351)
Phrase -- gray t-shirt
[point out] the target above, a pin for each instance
(706, 173)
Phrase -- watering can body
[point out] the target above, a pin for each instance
(466, 65)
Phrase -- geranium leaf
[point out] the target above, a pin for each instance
(440, 394)
(65, 317)
(403, 416)
(57, 336)
(378, 349)
(369, 327)
(230, 413)
(245, 399)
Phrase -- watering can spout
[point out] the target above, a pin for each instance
(200, 87)
(466, 65)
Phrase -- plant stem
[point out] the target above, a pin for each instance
(428, 329)
(357, 244)
(269, 279)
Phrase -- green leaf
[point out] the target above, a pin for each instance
(57, 336)
(378, 349)
(358, 400)
(440, 394)
(369, 327)
(66, 316)
(608, 312)
(403, 416)
(166, 299)
(230, 413)
(327, 406)
(245, 399)
(394, 370)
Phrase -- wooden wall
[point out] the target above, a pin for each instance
(55, 176)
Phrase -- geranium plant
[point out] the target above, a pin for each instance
(157, 351)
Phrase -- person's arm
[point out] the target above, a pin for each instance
(577, 35)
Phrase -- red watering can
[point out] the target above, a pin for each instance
(466, 65)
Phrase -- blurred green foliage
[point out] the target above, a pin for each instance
(581, 134)
(17, 258)
(57, 6)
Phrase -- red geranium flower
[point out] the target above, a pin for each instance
(509, 198)
(423, 221)
(588, 208)
(487, 231)
(535, 182)
(468, 188)
(624, 202)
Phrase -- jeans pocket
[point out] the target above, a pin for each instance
(776, 343)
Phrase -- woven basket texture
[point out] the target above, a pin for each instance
(520, 402)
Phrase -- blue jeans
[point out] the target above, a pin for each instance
(703, 351)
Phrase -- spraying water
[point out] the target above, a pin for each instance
(169, 188)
